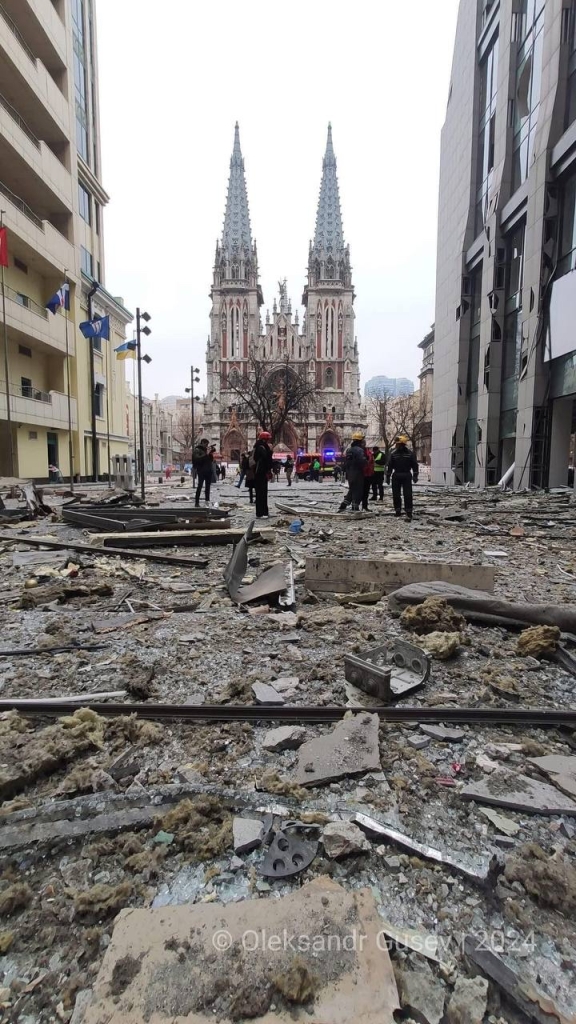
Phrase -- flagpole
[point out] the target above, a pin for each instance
(108, 410)
(70, 440)
(6, 366)
(95, 460)
(136, 456)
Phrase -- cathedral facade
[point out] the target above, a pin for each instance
(322, 346)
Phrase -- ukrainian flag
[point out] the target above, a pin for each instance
(126, 351)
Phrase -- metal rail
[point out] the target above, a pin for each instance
(548, 717)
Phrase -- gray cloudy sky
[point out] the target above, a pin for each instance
(175, 76)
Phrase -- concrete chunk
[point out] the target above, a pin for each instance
(286, 737)
(247, 834)
(342, 838)
(421, 995)
(350, 749)
(468, 1002)
(265, 694)
(443, 733)
(419, 742)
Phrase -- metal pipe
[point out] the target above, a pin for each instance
(541, 717)
(507, 477)
(95, 459)
(68, 385)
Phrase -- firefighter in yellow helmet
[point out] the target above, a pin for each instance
(355, 461)
(402, 469)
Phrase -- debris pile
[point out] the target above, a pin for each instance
(374, 738)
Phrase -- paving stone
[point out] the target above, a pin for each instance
(392, 862)
(350, 749)
(247, 834)
(468, 1001)
(442, 732)
(266, 694)
(205, 987)
(286, 737)
(342, 838)
(421, 995)
(419, 742)
(508, 789)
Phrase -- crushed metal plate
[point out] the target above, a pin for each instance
(288, 855)
(275, 582)
(388, 672)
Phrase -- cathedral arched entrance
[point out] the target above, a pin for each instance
(233, 444)
(288, 440)
(329, 441)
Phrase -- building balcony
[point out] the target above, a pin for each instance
(42, 244)
(33, 162)
(28, 321)
(24, 76)
(38, 408)
(39, 23)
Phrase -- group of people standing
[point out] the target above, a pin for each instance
(365, 469)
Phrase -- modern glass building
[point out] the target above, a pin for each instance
(505, 334)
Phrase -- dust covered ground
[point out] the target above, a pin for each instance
(59, 894)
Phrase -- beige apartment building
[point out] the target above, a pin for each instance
(504, 390)
(52, 202)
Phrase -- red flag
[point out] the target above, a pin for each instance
(3, 247)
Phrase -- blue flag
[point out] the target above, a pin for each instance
(60, 300)
(99, 328)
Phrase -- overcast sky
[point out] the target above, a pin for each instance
(175, 76)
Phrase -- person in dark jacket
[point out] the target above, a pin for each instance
(368, 474)
(378, 475)
(289, 469)
(354, 463)
(202, 462)
(250, 477)
(402, 469)
(263, 462)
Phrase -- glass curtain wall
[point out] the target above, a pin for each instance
(529, 28)
(471, 437)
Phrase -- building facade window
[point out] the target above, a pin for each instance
(473, 371)
(528, 88)
(99, 399)
(84, 204)
(86, 262)
(80, 78)
(511, 345)
(567, 250)
(487, 132)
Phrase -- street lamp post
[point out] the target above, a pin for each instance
(193, 380)
(139, 332)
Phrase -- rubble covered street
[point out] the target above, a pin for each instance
(131, 841)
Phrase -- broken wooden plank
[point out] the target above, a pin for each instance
(93, 549)
(344, 575)
(534, 1004)
(149, 528)
(177, 538)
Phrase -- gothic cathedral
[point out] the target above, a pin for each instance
(324, 344)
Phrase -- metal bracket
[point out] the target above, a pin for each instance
(388, 672)
(288, 855)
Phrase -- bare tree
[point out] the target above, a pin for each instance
(381, 411)
(411, 416)
(270, 392)
(182, 433)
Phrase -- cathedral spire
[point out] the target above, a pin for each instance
(329, 234)
(236, 234)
